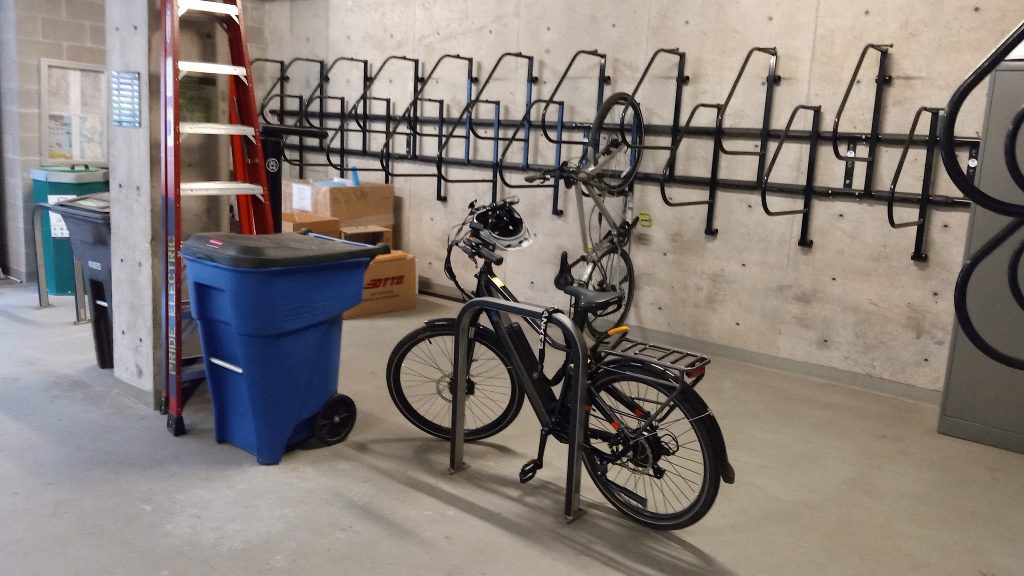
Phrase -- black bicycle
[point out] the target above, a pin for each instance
(652, 445)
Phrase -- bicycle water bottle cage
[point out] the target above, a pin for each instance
(564, 277)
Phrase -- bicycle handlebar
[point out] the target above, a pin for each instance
(474, 247)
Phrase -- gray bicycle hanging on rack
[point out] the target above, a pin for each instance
(607, 169)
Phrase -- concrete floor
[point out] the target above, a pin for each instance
(830, 480)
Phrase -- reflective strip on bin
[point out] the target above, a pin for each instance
(102, 303)
(226, 365)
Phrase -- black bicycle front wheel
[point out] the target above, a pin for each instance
(649, 451)
(421, 382)
(618, 123)
(612, 272)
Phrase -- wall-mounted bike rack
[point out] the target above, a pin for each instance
(422, 133)
(497, 311)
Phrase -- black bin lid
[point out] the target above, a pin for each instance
(274, 250)
(95, 207)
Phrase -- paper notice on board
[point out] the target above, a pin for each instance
(302, 198)
(58, 229)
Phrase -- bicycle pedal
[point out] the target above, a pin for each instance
(529, 471)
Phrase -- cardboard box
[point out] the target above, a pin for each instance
(368, 234)
(353, 205)
(390, 285)
(368, 204)
(296, 221)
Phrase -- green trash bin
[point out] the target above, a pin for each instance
(50, 185)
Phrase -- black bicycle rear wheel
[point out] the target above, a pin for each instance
(657, 464)
(618, 129)
(421, 382)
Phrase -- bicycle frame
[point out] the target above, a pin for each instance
(525, 363)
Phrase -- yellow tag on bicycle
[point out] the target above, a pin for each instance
(498, 282)
(645, 220)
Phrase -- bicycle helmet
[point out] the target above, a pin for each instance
(504, 227)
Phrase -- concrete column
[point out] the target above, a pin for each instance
(133, 30)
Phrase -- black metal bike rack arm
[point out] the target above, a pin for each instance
(466, 115)
(919, 253)
(712, 181)
(277, 83)
(677, 102)
(770, 81)
(1010, 149)
(602, 80)
(362, 99)
(319, 95)
(809, 181)
(497, 309)
(557, 141)
(985, 200)
(883, 51)
(410, 110)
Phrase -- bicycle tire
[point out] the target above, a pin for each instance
(693, 483)
(607, 275)
(627, 118)
(424, 396)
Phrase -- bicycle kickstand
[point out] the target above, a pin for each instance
(529, 470)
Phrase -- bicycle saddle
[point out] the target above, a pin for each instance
(591, 300)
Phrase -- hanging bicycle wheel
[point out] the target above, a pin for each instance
(421, 382)
(616, 139)
(611, 272)
(649, 451)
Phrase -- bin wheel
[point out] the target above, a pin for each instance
(335, 420)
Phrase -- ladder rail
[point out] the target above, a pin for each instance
(249, 187)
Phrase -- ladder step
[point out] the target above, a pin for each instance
(225, 188)
(211, 68)
(206, 6)
(218, 129)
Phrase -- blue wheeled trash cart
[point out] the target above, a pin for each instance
(269, 313)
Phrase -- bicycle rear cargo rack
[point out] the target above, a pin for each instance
(675, 360)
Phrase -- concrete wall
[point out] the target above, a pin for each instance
(59, 29)
(855, 302)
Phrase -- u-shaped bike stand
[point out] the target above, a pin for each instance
(496, 309)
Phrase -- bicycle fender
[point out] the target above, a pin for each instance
(727, 472)
(717, 438)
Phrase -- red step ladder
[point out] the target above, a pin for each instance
(249, 188)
